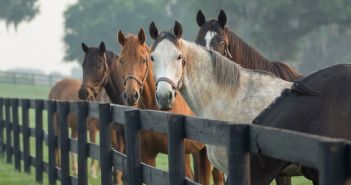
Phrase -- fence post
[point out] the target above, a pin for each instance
(176, 149)
(39, 140)
(238, 155)
(16, 134)
(105, 117)
(52, 141)
(25, 135)
(82, 143)
(333, 167)
(8, 131)
(1, 125)
(132, 126)
(64, 142)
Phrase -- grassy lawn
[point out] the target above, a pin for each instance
(9, 176)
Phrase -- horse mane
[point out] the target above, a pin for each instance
(248, 57)
(226, 72)
(111, 57)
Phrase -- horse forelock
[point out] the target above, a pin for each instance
(165, 35)
(133, 48)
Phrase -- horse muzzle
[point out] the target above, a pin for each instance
(165, 98)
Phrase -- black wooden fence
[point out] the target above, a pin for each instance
(331, 157)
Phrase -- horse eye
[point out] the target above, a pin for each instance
(145, 60)
(121, 61)
(222, 42)
(179, 57)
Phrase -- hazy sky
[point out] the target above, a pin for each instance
(39, 43)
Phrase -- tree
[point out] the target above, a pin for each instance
(16, 11)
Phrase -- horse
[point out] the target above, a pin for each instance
(214, 87)
(135, 68)
(213, 34)
(98, 64)
(67, 90)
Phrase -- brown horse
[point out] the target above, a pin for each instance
(135, 68)
(67, 90)
(98, 64)
(213, 34)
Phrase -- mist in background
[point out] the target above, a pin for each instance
(308, 35)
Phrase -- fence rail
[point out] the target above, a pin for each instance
(28, 78)
(331, 157)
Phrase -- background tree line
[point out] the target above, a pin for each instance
(307, 34)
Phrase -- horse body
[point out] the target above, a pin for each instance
(67, 90)
(217, 88)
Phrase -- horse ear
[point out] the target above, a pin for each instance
(222, 18)
(153, 30)
(141, 36)
(178, 30)
(102, 47)
(85, 47)
(121, 37)
(200, 18)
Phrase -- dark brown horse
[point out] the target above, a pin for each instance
(213, 34)
(98, 65)
(317, 104)
(135, 68)
(67, 90)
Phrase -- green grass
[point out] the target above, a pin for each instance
(9, 176)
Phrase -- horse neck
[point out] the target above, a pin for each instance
(114, 86)
(212, 96)
(148, 95)
(244, 54)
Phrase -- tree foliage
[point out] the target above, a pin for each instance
(277, 28)
(17, 11)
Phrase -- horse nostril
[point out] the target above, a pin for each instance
(170, 96)
(136, 96)
(125, 96)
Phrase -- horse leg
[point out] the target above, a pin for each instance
(187, 166)
(92, 135)
(310, 174)
(280, 180)
(74, 155)
(202, 167)
(57, 133)
(117, 141)
(218, 176)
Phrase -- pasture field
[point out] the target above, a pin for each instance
(9, 176)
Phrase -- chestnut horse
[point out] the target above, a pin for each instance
(213, 34)
(67, 90)
(135, 68)
(97, 67)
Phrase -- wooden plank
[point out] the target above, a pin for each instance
(72, 107)
(119, 160)
(105, 143)
(52, 140)
(39, 141)
(64, 143)
(176, 149)
(82, 143)
(154, 120)
(154, 176)
(25, 135)
(94, 151)
(94, 109)
(16, 134)
(118, 113)
(238, 155)
(8, 131)
(206, 131)
(278, 143)
(132, 126)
